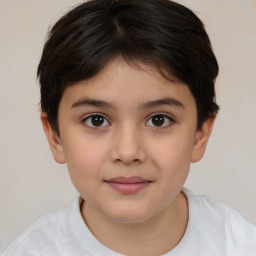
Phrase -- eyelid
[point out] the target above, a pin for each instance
(163, 114)
(86, 117)
(171, 119)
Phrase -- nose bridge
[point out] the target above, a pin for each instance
(128, 144)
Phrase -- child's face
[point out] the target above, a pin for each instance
(128, 136)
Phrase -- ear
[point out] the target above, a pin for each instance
(201, 138)
(53, 140)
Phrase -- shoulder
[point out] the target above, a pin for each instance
(220, 222)
(42, 236)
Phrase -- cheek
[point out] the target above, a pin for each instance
(172, 155)
(84, 158)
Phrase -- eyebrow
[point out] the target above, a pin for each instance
(161, 102)
(148, 104)
(93, 102)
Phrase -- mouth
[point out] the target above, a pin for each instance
(128, 185)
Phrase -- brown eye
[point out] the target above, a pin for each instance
(159, 120)
(96, 121)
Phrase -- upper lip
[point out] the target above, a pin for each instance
(128, 180)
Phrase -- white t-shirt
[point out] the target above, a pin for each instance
(213, 229)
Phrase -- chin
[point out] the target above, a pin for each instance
(130, 217)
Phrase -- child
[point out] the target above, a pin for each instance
(128, 101)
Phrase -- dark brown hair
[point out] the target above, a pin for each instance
(160, 33)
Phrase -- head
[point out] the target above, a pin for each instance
(160, 33)
(127, 95)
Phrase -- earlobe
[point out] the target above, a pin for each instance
(53, 140)
(201, 139)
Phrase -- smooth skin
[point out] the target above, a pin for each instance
(128, 122)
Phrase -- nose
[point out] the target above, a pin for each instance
(128, 146)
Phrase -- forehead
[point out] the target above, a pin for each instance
(124, 84)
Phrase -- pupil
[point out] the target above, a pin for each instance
(158, 120)
(97, 120)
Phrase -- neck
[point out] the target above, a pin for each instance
(155, 236)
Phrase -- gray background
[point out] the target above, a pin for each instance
(32, 184)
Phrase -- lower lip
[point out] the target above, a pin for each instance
(128, 188)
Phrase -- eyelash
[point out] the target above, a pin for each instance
(165, 116)
(84, 120)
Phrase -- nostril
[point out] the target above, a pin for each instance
(127, 149)
(127, 161)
